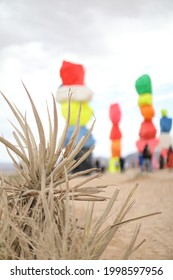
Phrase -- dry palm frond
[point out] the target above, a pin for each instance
(37, 207)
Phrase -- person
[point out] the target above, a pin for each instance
(170, 158)
(140, 160)
(122, 164)
(147, 156)
(97, 163)
(100, 165)
(161, 161)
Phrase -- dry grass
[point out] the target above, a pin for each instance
(37, 206)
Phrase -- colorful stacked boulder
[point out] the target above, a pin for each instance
(147, 131)
(115, 137)
(165, 138)
(72, 76)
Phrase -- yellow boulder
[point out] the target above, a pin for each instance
(145, 99)
(86, 112)
(114, 165)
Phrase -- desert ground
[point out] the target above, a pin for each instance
(154, 194)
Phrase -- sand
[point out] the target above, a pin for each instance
(155, 193)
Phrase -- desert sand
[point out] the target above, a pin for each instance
(154, 194)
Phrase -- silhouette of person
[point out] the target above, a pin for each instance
(147, 156)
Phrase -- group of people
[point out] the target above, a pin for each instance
(145, 159)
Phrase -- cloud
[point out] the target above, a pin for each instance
(52, 23)
(63, 24)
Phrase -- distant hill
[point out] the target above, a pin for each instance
(132, 160)
(6, 167)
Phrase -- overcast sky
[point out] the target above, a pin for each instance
(116, 41)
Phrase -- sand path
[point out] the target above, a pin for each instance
(155, 193)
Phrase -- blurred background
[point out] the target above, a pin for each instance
(116, 41)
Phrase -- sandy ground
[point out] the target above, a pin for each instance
(155, 193)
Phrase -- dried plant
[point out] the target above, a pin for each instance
(37, 207)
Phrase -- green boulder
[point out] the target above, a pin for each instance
(164, 113)
(143, 84)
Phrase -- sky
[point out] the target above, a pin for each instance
(116, 41)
